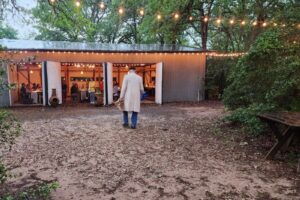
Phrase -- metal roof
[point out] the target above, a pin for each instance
(38, 45)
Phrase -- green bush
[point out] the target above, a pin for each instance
(9, 129)
(266, 79)
(40, 192)
(216, 73)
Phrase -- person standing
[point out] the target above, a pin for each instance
(131, 91)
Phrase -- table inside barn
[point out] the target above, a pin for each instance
(290, 121)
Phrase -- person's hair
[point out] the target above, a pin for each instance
(132, 68)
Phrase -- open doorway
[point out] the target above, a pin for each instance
(82, 83)
(151, 74)
(27, 78)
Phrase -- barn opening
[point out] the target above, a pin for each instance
(27, 80)
(86, 78)
(151, 74)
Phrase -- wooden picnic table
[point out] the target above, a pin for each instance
(291, 123)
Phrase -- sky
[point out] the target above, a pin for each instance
(21, 21)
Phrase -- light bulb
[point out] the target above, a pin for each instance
(264, 24)
(231, 21)
(77, 3)
(254, 23)
(142, 12)
(205, 19)
(243, 23)
(158, 17)
(218, 21)
(176, 16)
(101, 5)
(121, 11)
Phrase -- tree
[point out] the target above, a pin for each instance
(7, 32)
(268, 78)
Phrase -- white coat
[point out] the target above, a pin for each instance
(131, 91)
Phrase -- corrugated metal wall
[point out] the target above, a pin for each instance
(183, 74)
(4, 95)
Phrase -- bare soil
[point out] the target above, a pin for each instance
(179, 151)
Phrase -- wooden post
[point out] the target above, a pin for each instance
(28, 74)
(67, 79)
(18, 81)
(119, 76)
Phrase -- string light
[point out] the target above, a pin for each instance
(121, 11)
(275, 24)
(31, 72)
(52, 1)
(264, 24)
(102, 5)
(77, 3)
(205, 19)
(254, 23)
(158, 17)
(176, 16)
(243, 23)
(191, 18)
(81, 72)
(219, 21)
(231, 21)
(142, 12)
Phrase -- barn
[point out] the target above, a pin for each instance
(170, 73)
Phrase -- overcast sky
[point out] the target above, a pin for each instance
(22, 22)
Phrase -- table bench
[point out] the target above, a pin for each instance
(291, 122)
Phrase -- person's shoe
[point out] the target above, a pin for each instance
(125, 125)
(133, 127)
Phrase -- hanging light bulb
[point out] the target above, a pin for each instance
(102, 5)
(219, 21)
(243, 23)
(264, 24)
(275, 24)
(191, 18)
(81, 72)
(158, 17)
(142, 12)
(231, 21)
(121, 11)
(39, 66)
(77, 3)
(31, 72)
(176, 16)
(205, 19)
(52, 1)
(254, 23)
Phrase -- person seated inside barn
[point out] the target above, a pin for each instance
(74, 92)
(25, 94)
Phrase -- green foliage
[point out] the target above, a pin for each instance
(266, 79)
(3, 173)
(7, 32)
(9, 129)
(41, 192)
(217, 69)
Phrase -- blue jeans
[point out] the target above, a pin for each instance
(134, 118)
(92, 97)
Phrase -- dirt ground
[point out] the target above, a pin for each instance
(179, 151)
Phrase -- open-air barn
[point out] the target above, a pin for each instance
(170, 73)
